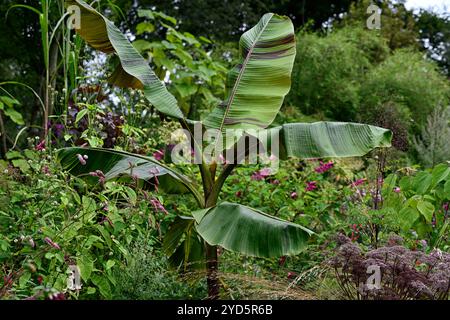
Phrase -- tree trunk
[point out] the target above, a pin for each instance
(212, 278)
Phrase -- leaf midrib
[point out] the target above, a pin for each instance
(238, 80)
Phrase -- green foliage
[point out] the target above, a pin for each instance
(432, 145)
(407, 81)
(329, 71)
(148, 276)
(50, 222)
(7, 105)
(182, 60)
(420, 203)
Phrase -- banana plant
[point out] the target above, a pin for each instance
(254, 93)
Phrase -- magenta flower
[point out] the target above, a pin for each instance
(396, 190)
(275, 182)
(158, 155)
(158, 205)
(261, 174)
(359, 182)
(294, 195)
(445, 206)
(51, 243)
(45, 170)
(324, 167)
(41, 146)
(311, 185)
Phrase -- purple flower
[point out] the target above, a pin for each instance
(158, 155)
(275, 182)
(294, 195)
(445, 206)
(311, 185)
(324, 167)
(51, 243)
(397, 190)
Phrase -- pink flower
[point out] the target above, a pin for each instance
(100, 175)
(324, 167)
(158, 205)
(275, 182)
(294, 195)
(41, 146)
(46, 170)
(82, 159)
(158, 155)
(311, 185)
(397, 190)
(261, 174)
(51, 243)
(445, 206)
(359, 182)
(291, 275)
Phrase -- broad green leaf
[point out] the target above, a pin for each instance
(114, 163)
(426, 209)
(447, 189)
(407, 216)
(175, 233)
(86, 265)
(256, 87)
(134, 70)
(145, 27)
(22, 164)
(405, 183)
(12, 154)
(189, 254)
(389, 184)
(15, 116)
(239, 228)
(103, 285)
(10, 102)
(422, 182)
(439, 173)
(110, 264)
(328, 139)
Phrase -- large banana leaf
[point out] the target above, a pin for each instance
(326, 139)
(257, 85)
(114, 163)
(183, 245)
(239, 228)
(133, 71)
